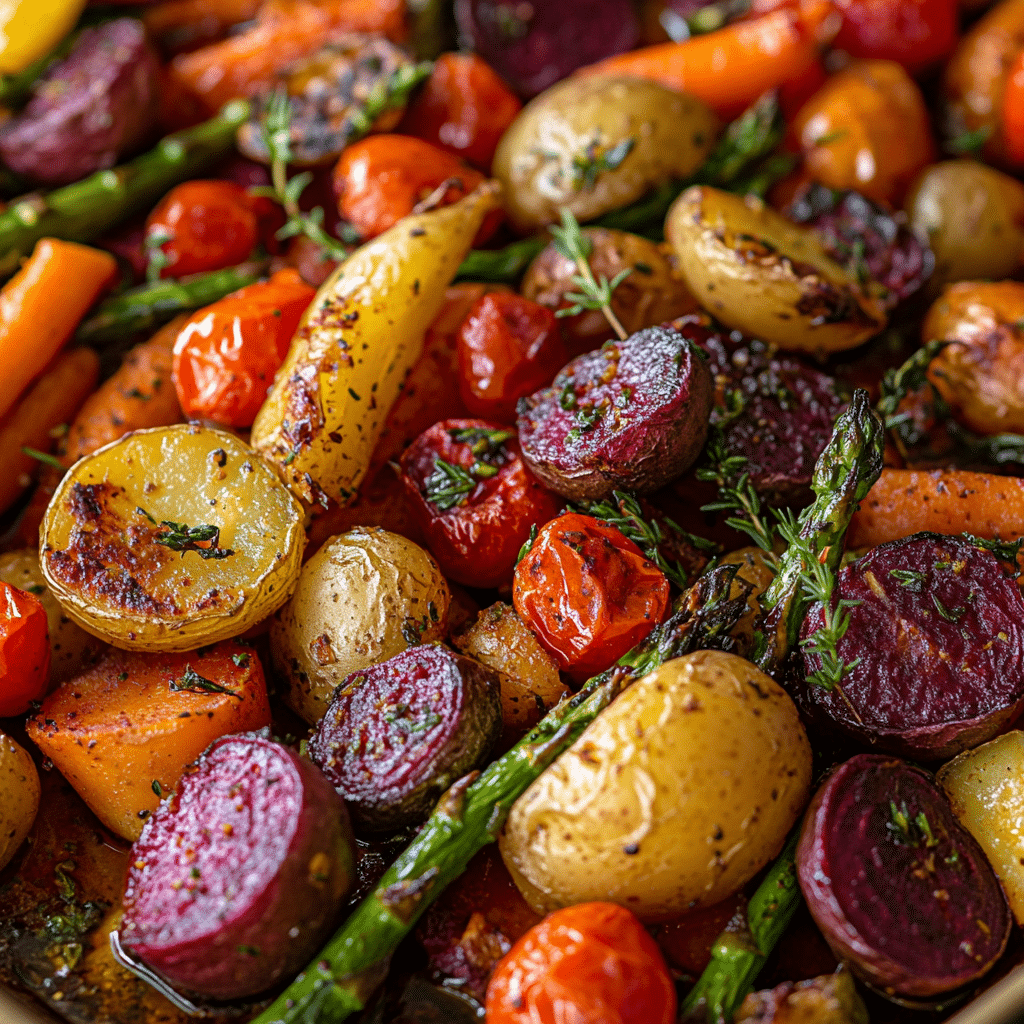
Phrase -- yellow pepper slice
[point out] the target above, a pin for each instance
(30, 29)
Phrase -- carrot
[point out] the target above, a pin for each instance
(140, 394)
(906, 501)
(123, 731)
(41, 305)
(287, 30)
(730, 68)
(58, 393)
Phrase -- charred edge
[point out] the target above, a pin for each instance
(402, 899)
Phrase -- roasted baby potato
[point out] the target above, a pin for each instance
(361, 599)
(759, 273)
(656, 805)
(981, 374)
(973, 217)
(653, 292)
(19, 797)
(170, 539)
(595, 144)
(358, 340)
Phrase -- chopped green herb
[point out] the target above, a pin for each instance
(527, 544)
(193, 682)
(909, 578)
(183, 538)
(969, 141)
(43, 457)
(241, 660)
(448, 486)
(949, 614)
(157, 788)
(594, 160)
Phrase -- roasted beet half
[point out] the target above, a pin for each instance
(631, 415)
(936, 645)
(772, 409)
(238, 878)
(88, 110)
(898, 888)
(873, 243)
(533, 45)
(398, 734)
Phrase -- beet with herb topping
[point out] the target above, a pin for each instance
(898, 888)
(631, 415)
(936, 643)
(398, 734)
(238, 878)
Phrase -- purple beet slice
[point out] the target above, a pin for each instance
(938, 640)
(398, 734)
(631, 415)
(239, 877)
(773, 409)
(898, 888)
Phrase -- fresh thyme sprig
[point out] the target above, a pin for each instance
(906, 379)
(449, 485)
(736, 493)
(44, 457)
(203, 540)
(193, 682)
(907, 830)
(1004, 550)
(594, 293)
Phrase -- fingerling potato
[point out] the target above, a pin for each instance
(19, 797)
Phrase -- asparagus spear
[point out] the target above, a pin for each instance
(469, 816)
(87, 208)
(150, 305)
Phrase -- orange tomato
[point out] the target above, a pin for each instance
(24, 650)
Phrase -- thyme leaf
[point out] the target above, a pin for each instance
(736, 494)
(448, 486)
(594, 161)
(44, 457)
(203, 540)
(527, 544)
(1004, 550)
(193, 682)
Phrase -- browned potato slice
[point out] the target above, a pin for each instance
(170, 539)
(763, 275)
(19, 797)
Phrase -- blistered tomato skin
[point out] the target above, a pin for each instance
(588, 593)
(508, 348)
(226, 355)
(915, 33)
(588, 964)
(24, 650)
(476, 521)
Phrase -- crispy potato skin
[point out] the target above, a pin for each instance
(655, 806)
(105, 557)
(540, 157)
(759, 273)
(19, 797)
(365, 596)
(981, 375)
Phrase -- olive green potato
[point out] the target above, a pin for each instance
(595, 144)
(362, 598)
(761, 274)
(19, 797)
(675, 796)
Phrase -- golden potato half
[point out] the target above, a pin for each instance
(675, 796)
(170, 539)
(761, 274)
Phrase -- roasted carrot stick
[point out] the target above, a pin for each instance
(54, 397)
(41, 305)
(730, 68)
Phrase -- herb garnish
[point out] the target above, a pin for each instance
(44, 457)
(909, 578)
(203, 540)
(909, 831)
(397, 717)
(736, 493)
(483, 441)
(968, 141)
(193, 682)
(527, 544)
(594, 160)
(1004, 550)
(448, 485)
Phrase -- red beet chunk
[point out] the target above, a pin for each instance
(774, 410)
(238, 878)
(630, 416)
(398, 734)
(89, 110)
(899, 890)
(939, 634)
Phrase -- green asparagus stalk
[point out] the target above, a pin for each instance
(85, 209)
(469, 816)
(150, 305)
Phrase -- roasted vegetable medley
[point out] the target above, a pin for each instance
(511, 511)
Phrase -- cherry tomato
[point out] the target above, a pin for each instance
(202, 225)
(474, 498)
(588, 593)
(226, 355)
(382, 178)
(914, 32)
(588, 964)
(464, 107)
(1013, 113)
(508, 348)
(24, 650)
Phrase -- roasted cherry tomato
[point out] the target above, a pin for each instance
(588, 592)
(226, 355)
(508, 348)
(200, 226)
(379, 180)
(588, 964)
(464, 107)
(24, 650)
(914, 32)
(474, 498)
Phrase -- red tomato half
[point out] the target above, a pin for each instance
(588, 964)
(914, 32)
(226, 355)
(24, 650)
(474, 499)
(588, 592)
